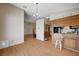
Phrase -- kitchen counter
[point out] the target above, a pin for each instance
(71, 42)
(70, 36)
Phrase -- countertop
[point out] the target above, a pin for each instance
(70, 36)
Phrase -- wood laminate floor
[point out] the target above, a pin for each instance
(33, 47)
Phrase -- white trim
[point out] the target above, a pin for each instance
(8, 44)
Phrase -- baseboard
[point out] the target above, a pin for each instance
(8, 43)
(28, 34)
(17, 43)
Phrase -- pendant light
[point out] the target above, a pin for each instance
(36, 15)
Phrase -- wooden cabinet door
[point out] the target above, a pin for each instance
(69, 43)
(77, 44)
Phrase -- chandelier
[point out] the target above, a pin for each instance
(36, 15)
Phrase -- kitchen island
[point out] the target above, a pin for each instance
(71, 42)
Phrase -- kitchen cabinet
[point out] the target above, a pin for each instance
(71, 43)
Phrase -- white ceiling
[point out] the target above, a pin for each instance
(44, 9)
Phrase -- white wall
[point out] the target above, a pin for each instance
(40, 29)
(28, 28)
(12, 19)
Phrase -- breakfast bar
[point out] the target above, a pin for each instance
(71, 42)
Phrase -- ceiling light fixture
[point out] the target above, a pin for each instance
(36, 15)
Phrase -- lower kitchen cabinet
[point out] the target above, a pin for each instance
(69, 43)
